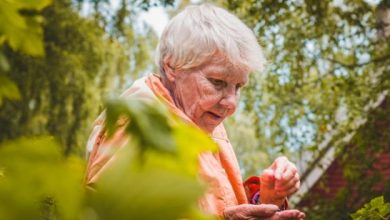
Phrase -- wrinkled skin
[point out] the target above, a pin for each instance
(285, 176)
(207, 94)
(261, 212)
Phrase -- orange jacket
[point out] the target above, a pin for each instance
(220, 169)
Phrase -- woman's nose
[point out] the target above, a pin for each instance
(229, 100)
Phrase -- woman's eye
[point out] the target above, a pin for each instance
(218, 83)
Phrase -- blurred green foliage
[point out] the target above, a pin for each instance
(8, 90)
(38, 182)
(88, 58)
(147, 120)
(161, 180)
(21, 18)
(60, 93)
(170, 137)
(34, 169)
(376, 209)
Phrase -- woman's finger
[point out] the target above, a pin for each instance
(292, 214)
(280, 166)
(288, 175)
(289, 191)
(286, 186)
(263, 210)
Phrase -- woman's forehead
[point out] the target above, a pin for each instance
(225, 70)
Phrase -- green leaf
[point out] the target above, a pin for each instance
(35, 171)
(190, 142)
(147, 117)
(148, 123)
(22, 32)
(8, 90)
(385, 210)
(377, 202)
(373, 210)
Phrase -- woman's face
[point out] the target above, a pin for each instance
(209, 93)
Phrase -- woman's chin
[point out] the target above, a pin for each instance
(209, 121)
(209, 127)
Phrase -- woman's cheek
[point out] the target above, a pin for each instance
(209, 96)
(211, 101)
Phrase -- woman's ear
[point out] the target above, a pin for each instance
(169, 70)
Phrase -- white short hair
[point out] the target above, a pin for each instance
(199, 32)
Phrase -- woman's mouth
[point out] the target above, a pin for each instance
(214, 116)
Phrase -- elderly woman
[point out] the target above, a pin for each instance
(205, 56)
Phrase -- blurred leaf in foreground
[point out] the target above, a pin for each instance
(164, 183)
(149, 123)
(34, 172)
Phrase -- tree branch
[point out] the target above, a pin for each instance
(355, 65)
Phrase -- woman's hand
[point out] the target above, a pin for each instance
(286, 176)
(261, 212)
(291, 214)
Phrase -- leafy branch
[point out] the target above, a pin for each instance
(355, 65)
(376, 209)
